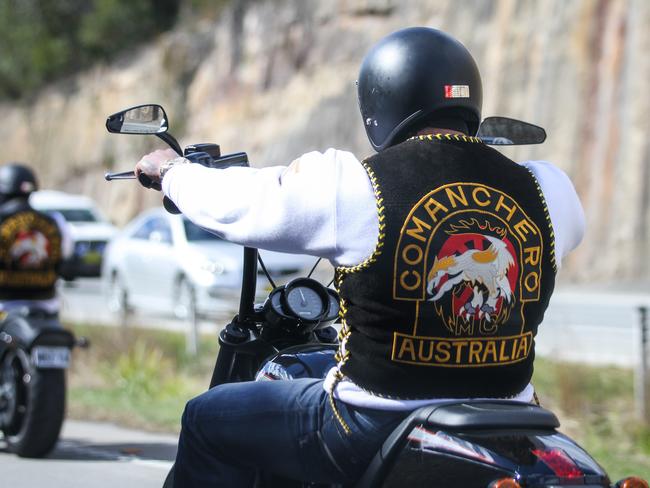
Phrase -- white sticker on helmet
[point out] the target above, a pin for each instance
(456, 91)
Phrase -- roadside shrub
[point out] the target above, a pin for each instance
(45, 40)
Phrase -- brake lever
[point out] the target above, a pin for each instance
(170, 206)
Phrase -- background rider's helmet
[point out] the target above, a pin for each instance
(16, 180)
(415, 74)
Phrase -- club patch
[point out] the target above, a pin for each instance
(470, 258)
(30, 247)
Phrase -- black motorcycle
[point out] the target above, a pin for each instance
(34, 354)
(486, 444)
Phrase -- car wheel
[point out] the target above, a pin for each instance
(118, 298)
(185, 300)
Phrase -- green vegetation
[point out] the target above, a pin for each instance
(595, 406)
(45, 40)
(143, 378)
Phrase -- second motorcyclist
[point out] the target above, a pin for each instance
(445, 254)
(32, 244)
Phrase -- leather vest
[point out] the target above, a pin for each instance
(449, 303)
(30, 252)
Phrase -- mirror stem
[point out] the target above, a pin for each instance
(171, 141)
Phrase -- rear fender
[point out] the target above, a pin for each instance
(474, 442)
(25, 333)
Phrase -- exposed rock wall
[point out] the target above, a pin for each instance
(276, 78)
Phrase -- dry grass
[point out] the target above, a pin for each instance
(136, 377)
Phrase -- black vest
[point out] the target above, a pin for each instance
(449, 303)
(30, 252)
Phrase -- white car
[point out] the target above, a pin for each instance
(89, 230)
(165, 263)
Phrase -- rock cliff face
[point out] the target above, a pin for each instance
(276, 78)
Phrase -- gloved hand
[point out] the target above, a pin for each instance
(148, 168)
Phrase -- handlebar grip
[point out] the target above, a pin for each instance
(145, 180)
(167, 203)
(170, 206)
(148, 182)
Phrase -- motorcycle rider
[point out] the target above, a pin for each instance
(32, 244)
(445, 252)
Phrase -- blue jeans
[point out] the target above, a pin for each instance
(282, 427)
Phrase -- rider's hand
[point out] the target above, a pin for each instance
(148, 168)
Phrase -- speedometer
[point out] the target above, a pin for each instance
(306, 299)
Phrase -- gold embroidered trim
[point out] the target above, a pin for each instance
(342, 355)
(447, 137)
(382, 226)
(548, 220)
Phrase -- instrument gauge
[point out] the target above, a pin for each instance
(307, 299)
(333, 306)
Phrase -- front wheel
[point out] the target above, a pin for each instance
(32, 405)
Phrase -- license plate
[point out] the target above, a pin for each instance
(92, 258)
(50, 357)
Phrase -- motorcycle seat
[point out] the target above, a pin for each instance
(453, 416)
(491, 414)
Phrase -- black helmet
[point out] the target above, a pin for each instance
(16, 180)
(409, 75)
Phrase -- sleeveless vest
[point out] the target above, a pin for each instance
(449, 303)
(30, 252)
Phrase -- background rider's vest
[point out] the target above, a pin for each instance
(449, 303)
(30, 252)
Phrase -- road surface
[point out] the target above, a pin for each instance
(593, 326)
(94, 455)
(83, 301)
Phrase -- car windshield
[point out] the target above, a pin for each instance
(196, 233)
(75, 214)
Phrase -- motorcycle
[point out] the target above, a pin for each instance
(34, 354)
(463, 443)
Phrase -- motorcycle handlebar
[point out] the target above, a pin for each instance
(127, 175)
(248, 286)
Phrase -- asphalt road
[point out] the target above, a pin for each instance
(83, 300)
(600, 327)
(97, 455)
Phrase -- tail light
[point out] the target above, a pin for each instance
(505, 483)
(559, 462)
(632, 482)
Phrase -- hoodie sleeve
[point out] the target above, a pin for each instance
(294, 209)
